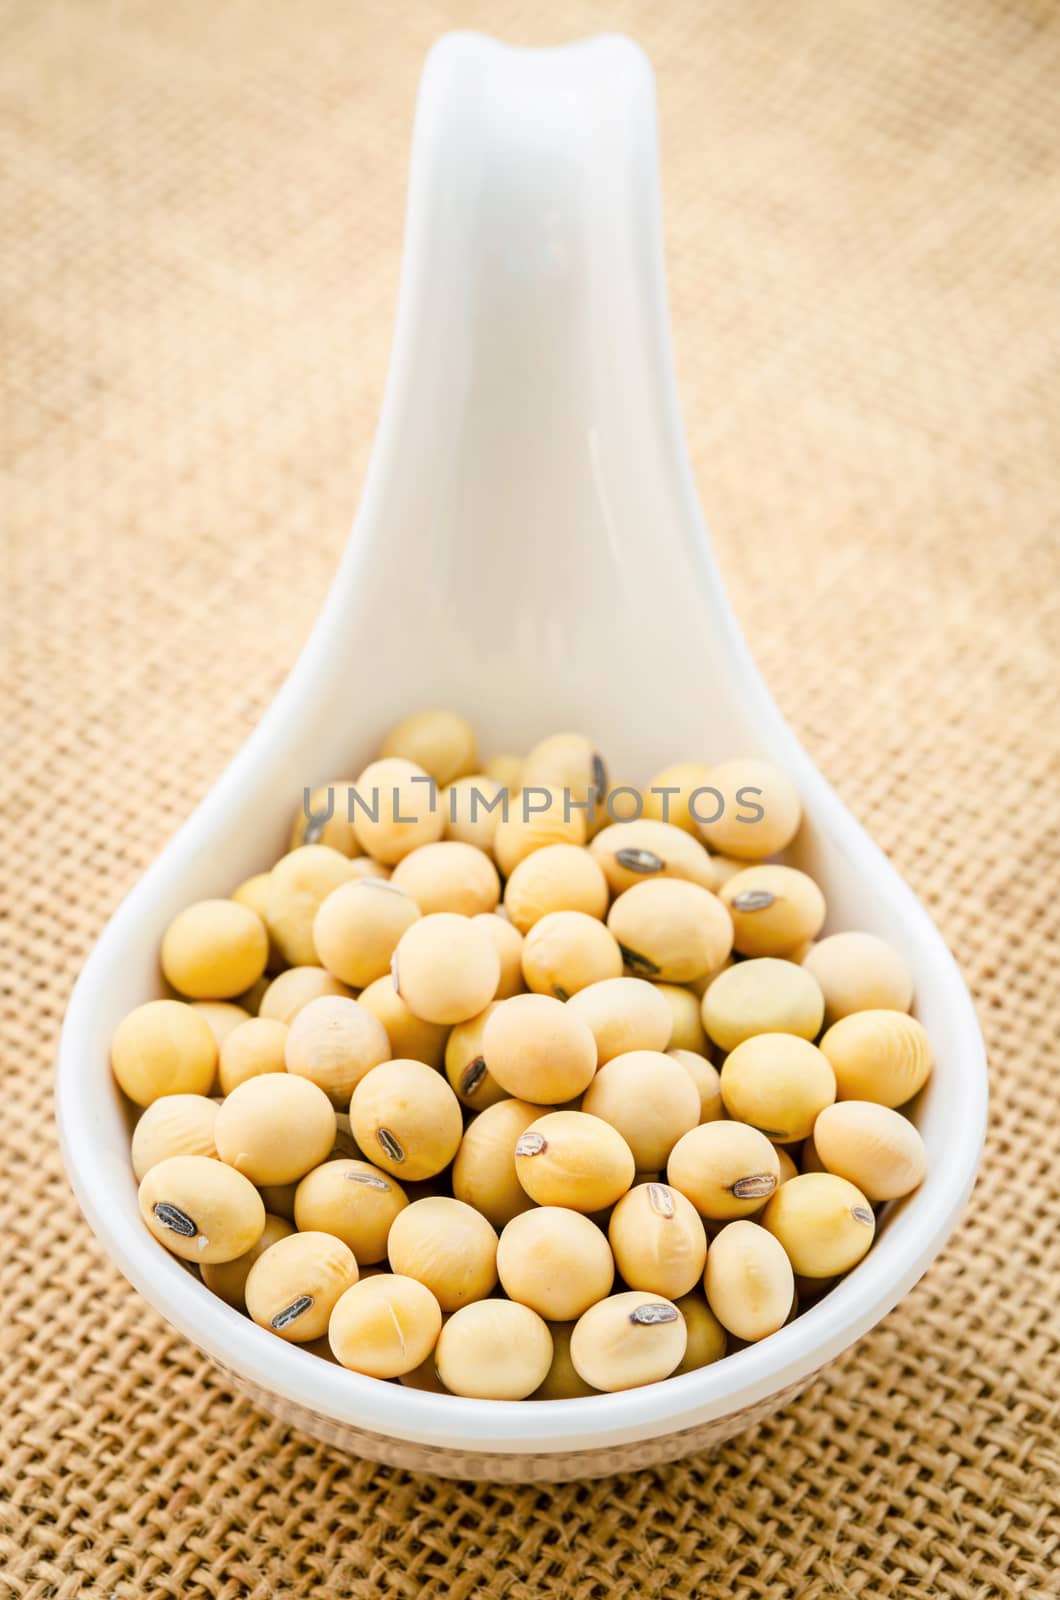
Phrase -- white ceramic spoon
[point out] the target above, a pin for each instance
(529, 550)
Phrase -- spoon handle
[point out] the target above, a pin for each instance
(530, 470)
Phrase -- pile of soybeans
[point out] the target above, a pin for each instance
(509, 1084)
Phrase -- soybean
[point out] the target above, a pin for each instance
(222, 1016)
(707, 1080)
(561, 1382)
(686, 1024)
(354, 1201)
(778, 1083)
(175, 1125)
(671, 930)
(824, 1223)
(449, 876)
(333, 1042)
(396, 809)
(870, 1145)
(568, 762)
(774, 909)
(293, 989)
(472, 808)
(859, 972)
(214, 950)
(651, 1100)
(358, 926)
(424, 1377)
(446, 968)
(200, 1209)
(494, 1350)
(726, 867)
(707, 1341)
(442, 743)
(567, 951)
(559, 877)
(324, 818)
(883, 1056)
(809, 1160)
(788, 1169)
(446, 1245)
(538, 1050)
(384, 1326)
(762, 996)
(507, 770)
(636, 852)
(555, 1261)
(628, 1340)
(508, 943)
(279, 1199)
(252, 891)
(254, 1048)
(407, 1119)
(275, 1129)
(749, 1282)
(624, 1014)
(164, 1047)
(668, 794)
(726, 1169)
(755, 809)
(658, 1241)
(623, 803)
(250, 1000)
(292, 1287)
(535, 819)
(362, 867)
(569, 1158)
(465, 1064)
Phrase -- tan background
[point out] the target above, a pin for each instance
(202, 211)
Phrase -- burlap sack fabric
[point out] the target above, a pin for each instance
(202, 211)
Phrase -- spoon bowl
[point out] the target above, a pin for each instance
(528, 549)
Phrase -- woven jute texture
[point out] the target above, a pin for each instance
(201, 231)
